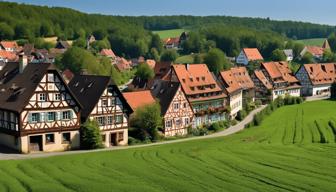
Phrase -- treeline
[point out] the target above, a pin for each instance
(290, 29)
(20, 21)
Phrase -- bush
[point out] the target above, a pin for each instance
(133, 141)
(199, 131)
(258, 103)
(241, 115)
(215, 127)
(234, 122)
(91, 136)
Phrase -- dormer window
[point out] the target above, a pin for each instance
(197, 78)
(203, 78)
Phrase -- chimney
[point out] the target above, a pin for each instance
(187, 67)
(23, 59)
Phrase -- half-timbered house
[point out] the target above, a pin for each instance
(103, 102)
(203, 92)
(275, 79)
(175, 108)
(38, 112)
(316, 79)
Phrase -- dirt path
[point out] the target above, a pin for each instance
(6, 155)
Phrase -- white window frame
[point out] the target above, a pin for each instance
(42, 97)
(58, 97)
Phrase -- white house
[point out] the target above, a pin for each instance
(247, 55)
(289, 54)
(316, 79)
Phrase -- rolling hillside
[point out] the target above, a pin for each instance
(293, 150)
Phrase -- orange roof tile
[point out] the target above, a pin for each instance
(252, 54)
(319, 74)
(231, 85)
(9, 44)
(279, 71)
(107, 53)
(122, 64)
(242, 77)
(171, 40)
(196, 79)
(139, 98)
(8, 55)
(260, 75)
(314, 50)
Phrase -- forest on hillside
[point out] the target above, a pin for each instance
(290, 29)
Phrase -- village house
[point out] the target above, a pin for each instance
(275, 79)
(108, 53)
(205, 95)
(172, 43)
(248, 55)
(38, 112)
(7, 56)
(122, 64)
(175, 108)
(89, 40)
(316, 51)
(103, 102)
(10, 46)
(239, 87)
(233, 90)
(289, 54)
(316, 79)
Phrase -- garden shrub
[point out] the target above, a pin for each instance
(90, 135)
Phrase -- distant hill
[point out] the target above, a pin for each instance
(21, 21)
(295, 30)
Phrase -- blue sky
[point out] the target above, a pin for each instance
(322, 11)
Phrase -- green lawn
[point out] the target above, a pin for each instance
(185, 59)
(285, 153)
(312, 42)
(169, 33)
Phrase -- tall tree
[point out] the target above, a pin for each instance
(278, 55)
(216, 60)
(169, 55)
(144, 72)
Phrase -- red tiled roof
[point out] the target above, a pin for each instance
(139, 98)
(8, 55)
(107, 53)
(252, 54)
(279, 71)
(122, 64)
(231, 85)
(161, 69)
(9, 44)
(171, 40)
(260, 75)
(242, 77)
(324, 73)
(314, 50)
(196, 79)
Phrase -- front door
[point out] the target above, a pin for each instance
(35, 143)
(113, 139)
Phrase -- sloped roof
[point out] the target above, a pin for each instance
(172, 40)
(8, 55)
(230, 83)
(139, 98)
(162, 69)
(9, 44)
(107, 53)
(196, 79)
(62, 45)
(252, 54)
(280, 71)
(166, 94)
(17, 88)
(89, 88)
(315, 50)
(260, 75)
(242, 77)
(319, 74)
(326, 44)
(122, 64)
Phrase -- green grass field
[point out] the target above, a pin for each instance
(169, 33)
(312, 42)
(293, 150)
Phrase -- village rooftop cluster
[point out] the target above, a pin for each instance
(42, 108)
